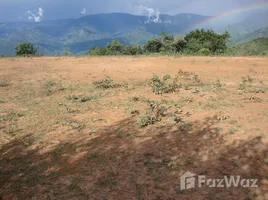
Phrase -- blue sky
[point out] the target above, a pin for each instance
(38, 10)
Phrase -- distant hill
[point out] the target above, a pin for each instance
(260, 33)
(78, 35)
(255, 47)
(252, 27)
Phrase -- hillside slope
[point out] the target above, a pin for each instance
(255, 47)
(80, 34)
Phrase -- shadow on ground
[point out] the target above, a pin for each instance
(123, 161)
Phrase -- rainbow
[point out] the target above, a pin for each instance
(249, 7)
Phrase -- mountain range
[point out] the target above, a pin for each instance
(78, 35)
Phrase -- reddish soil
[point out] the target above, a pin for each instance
(62, 138)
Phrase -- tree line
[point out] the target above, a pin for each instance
(197, 42)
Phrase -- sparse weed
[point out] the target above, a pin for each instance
(4, 84)
(188, 79)
(166, 85)
(105, 83)
(245, 83)
(80, 98)
(51, 86)
(185, 75)
(134, 99)
(232, 131)
(196, 78)
(11, 115)
(217, 86)
(76, 125)
(92, 156)
(153, 114)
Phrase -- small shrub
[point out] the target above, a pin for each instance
(25, 49)
(166, 85)
(105, 83)
(80, 98)
(11, 115)
(204, 52)
(232, 131)
(245, 83)
(154, 113)
(145, 120)
(134, 99)
(217, 85)
(185, 75)
(51, 86)
(4, 84)
(196, 78)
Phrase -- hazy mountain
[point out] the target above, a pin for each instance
(255, 47)
(82, 33)
(248, 28)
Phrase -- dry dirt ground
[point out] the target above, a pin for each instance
(63, 137)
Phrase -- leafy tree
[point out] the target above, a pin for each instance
(132, 50)
(199, 39)
(25, 49)
(66, 52)
(97, 51)
(204, 52)
(180, 44)
(114, 48)
(153, 46)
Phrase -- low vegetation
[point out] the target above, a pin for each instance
(105, 83)
(198, 42)
(164, 85)
(26, 49)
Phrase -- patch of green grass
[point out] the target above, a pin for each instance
(4, 84)
(11, 115)
(1, 100)
(51, 87)
(80, 98)
(245, 84)
(217, 86)
(92, 156)
(232, 131)
(215, 103)
(76, 125)
(134, 99)
(188, 80)
(154, 113)
(105, 83)
(11, 129)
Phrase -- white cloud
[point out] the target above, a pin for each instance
(84, 11)
(153, 15)
(35, 17)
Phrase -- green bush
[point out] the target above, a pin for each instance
(154, 113)
(97, 51)
(204, 52)
(132, 50)
(25, 49)
(105, 83)
(166, 85)
(114, 48)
